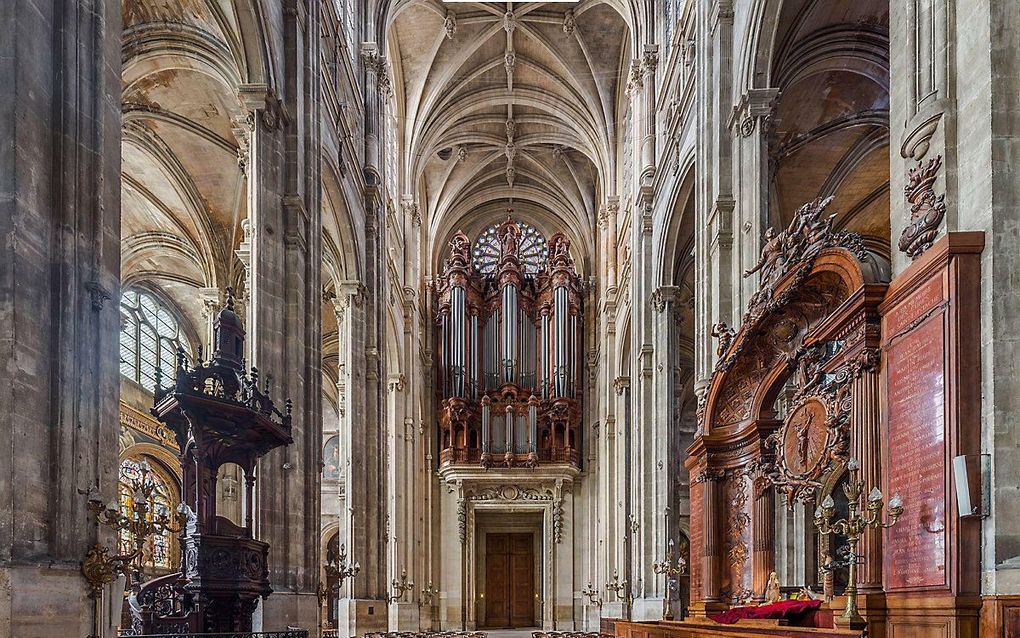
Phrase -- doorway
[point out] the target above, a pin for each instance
(510, 580)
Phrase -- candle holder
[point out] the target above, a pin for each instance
(672, 567)
(335, 567)
(401, 586)
(855, 523)
(593, 597)
(340, 569)
(617, 586)
(428, 595)
(140, 524)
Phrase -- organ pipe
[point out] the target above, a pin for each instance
(508, 357)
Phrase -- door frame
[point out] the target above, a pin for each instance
(501, 520)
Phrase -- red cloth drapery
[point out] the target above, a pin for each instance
(792, 610)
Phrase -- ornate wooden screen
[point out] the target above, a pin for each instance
(509, 345)
(812, 328)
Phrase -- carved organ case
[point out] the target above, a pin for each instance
(509, 327)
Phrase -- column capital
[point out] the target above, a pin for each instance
(663, 296)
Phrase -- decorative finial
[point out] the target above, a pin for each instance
(230, 298)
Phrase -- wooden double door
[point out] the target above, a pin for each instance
(510, 580)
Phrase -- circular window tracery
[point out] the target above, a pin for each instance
(532, 250)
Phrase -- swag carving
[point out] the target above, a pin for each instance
(927, 210)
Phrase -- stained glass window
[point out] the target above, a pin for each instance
(161, 502)
(532, 250)
(149, 338)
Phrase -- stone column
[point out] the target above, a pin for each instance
(749, 129)
(714, 270)
(285, 311)
(365, 611)
(59, 319)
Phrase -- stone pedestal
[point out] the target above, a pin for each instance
(60, 122)
(645, 609)
(290, 609)
(615, 609)
(358, 617)
(404, 617)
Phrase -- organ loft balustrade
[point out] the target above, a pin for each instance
(509, 329)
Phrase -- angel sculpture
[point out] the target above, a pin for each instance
(772, 257)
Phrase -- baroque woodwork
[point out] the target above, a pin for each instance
(510, 353)
(811, 328)
(219, 413)
(931, 378)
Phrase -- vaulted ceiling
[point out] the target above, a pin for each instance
(183, 188)
(509, 101)
(831, 125)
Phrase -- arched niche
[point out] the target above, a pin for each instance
(812, 333)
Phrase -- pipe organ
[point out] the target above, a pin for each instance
(509, 331)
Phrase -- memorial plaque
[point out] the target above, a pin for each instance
(915, 551)
(697, 540)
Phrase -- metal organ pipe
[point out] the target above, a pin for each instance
(474, 355)
(458, 337)
(510, 317)
(561, 312)
(486, 416)
(573, 353)
(532, 427)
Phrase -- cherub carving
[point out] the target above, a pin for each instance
(559, 248)
(460, 246)
(809, 368)
(725, 335)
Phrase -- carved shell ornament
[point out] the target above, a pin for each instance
(927, 210)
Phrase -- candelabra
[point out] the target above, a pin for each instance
(340, 569)
(428, 594)
(672, 567)
(140, 524)
(593, 596)
(401, 586)
(335, 567)
(855, 523)
(617, 586)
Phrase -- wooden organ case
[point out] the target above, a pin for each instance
(509, 347)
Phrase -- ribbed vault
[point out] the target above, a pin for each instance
(508, 102)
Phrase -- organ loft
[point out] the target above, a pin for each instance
(506, 319)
